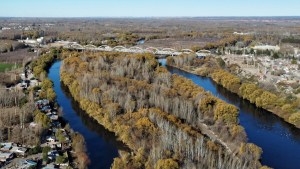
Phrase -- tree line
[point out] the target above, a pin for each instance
(165, 119)
(279, 104)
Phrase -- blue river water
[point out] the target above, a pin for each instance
(101, 144)
(279, 140)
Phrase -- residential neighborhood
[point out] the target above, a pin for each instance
(56, 146)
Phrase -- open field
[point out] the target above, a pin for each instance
(162, 32)
(8, 66)
(18, 56)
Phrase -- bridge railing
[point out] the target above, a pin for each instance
(162, 51)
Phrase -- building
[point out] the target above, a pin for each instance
(6, 156)
(40, 40)
(49, 166)
(50, 139)
(241, 33)
(6, 28)
(203, 53)
(33, 42)
(24, 164)
(267, 47)
(5, 147)
(19, 151)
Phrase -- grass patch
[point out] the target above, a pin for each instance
(8, 66)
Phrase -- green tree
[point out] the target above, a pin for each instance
(45, 153)
(220, 62)
(294, 62)
(42, 119)
(59, 135)
(61, 159)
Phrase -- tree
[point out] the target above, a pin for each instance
(167, 164)
(225, 112)
(294, 62)
(42, 119)
(78, 142)
(267, 100)
(51, 95)
(45, 153)
(59, 135)
(295, 119)
(46, 84)
(61, 159)
(250, 151)
(275, 56)
(83, 160)
(220, 62)
(46, 149)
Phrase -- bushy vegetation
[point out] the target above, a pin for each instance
(261, 97)
(167, 120)
(227, 80)
(10, 46)
(42, 64)
(40, 67)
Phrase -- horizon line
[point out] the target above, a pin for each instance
(111, 17)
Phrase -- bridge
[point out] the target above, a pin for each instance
(135, 49)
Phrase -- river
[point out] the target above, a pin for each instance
(102, 145)
(279, 140)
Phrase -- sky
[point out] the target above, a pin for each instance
(149, 8)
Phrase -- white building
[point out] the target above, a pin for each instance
(267, 47)
(33, 42)
(6, 156)
(40, 40)
(241, 33)
(6, 28)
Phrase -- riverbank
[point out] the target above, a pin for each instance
(102, 146)
(221, 75)
(60, 138)
(139, 117)
(261, 126)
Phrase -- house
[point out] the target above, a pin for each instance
(52, 155)
(203, 53)
(56, 124)
(24, 164)
(22, 75)
(5, 147)
(33, 124)
(267, 47)
(53, 145)
(46, 109)
(54, 117)
(4, 157)
(49, 114)
(41, 103)
(50, 139)
(19, 150)
(49, 166)
(34, 83)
